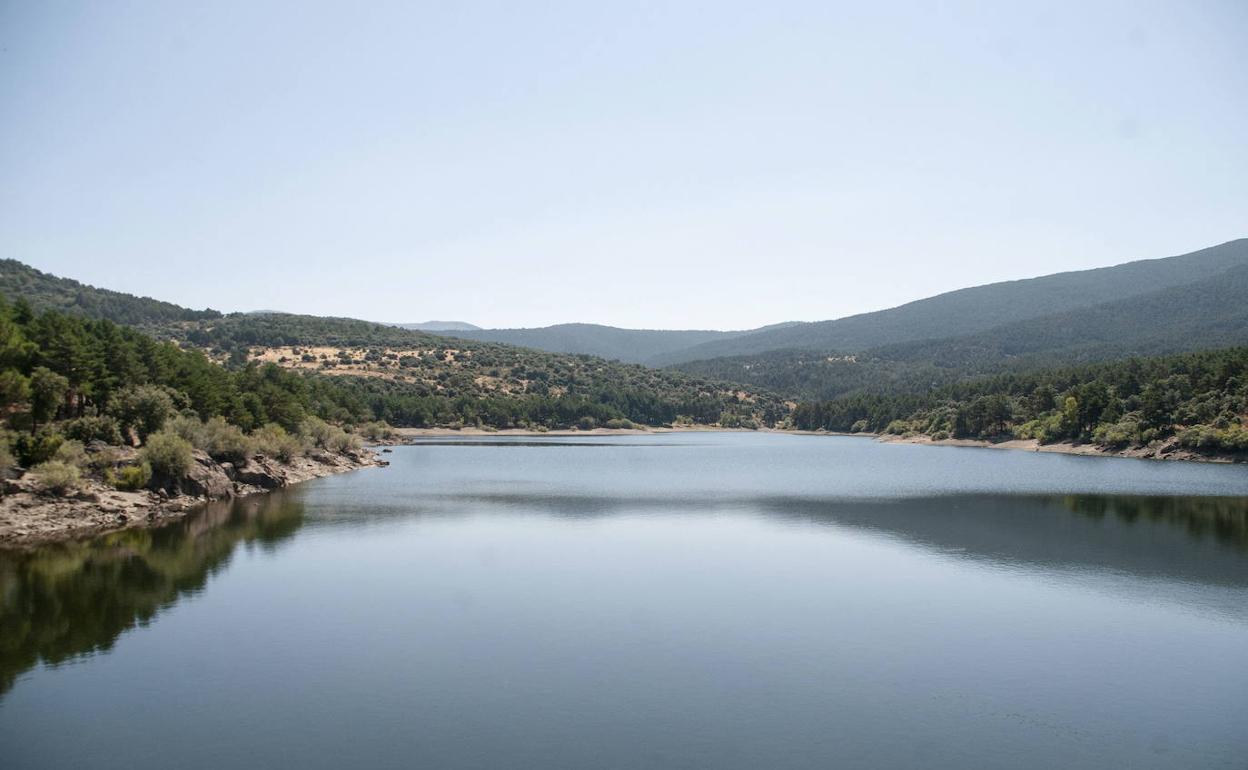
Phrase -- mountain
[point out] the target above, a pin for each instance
(632, 345)
(977, 309)
(48, 292)
(440, 326)
(1203, 314)
(639, 346)
(343, 369)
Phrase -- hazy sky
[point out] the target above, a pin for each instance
(715, 165)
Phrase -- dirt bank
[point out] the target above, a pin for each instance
(1158, 450)
(30, 517)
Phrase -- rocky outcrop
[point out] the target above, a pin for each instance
(28, 516)
(207, 478)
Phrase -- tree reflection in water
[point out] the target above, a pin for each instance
(62, 601)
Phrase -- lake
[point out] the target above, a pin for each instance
(687, 600)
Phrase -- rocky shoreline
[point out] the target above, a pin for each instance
(29, 516)
(1158, 450)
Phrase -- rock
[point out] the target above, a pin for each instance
(229, 470)
(386, 451)
(261, 472)
(206, 478)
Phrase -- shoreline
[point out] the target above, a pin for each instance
(29, 518)
(1158, 450)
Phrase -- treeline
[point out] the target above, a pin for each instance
(1200, 399)
(49, 292)
(91, 379)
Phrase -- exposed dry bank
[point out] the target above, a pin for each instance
(31, 514)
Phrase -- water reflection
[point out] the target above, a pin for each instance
(62, 601)
(69, 600)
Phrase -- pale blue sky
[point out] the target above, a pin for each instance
(644, 164)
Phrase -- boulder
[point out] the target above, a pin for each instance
(261, 472)
(206, 479)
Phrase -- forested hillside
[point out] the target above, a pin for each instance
(48, 292)
(345, 370)
(978, 309)
(1210, 313)
(1198, 400)
(637, 346)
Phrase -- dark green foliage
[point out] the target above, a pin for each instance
(981, 308)
(48, 292)
(632, 345)
(1200, 398)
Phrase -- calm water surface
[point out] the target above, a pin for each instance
(671, 601)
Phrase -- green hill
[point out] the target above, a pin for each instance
(978, 309)
(632, 345)
(346, 369)
(48, 292)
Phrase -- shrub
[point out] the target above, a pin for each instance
(618, 423)
(131, 477)
(316, 431)
(341, 441)
(104, 459)
(321, 434)
(273, 440)
(224, 442)
(6, 461)
(897, 428)
(187, 427)
(586, 423)
(168, 455)
(71, 453)
(97, 428)
(1122, 433)
(39, 448)
(859, 427)
(376, 431)
(56, 477)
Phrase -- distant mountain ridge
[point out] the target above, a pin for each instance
(439, 326)
(611, 342)
(45, 291)
(976, 309)
(1204, 313)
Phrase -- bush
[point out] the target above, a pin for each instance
(341, 441)
(224, 442)
(274, 441)
(104, 459)
(71, 453)
(1125, 432)
(98, 428)
(321, 434)
(168, 455)
(861, 426)
(131, 477)
(897, 428)
(6, 461)
(377, 431)
(56, 477)
(618, 423)
(316, 431)
(586, 423)
(39, 448)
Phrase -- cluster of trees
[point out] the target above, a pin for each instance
(48, 292)
(1200, 399)
(67, 381)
